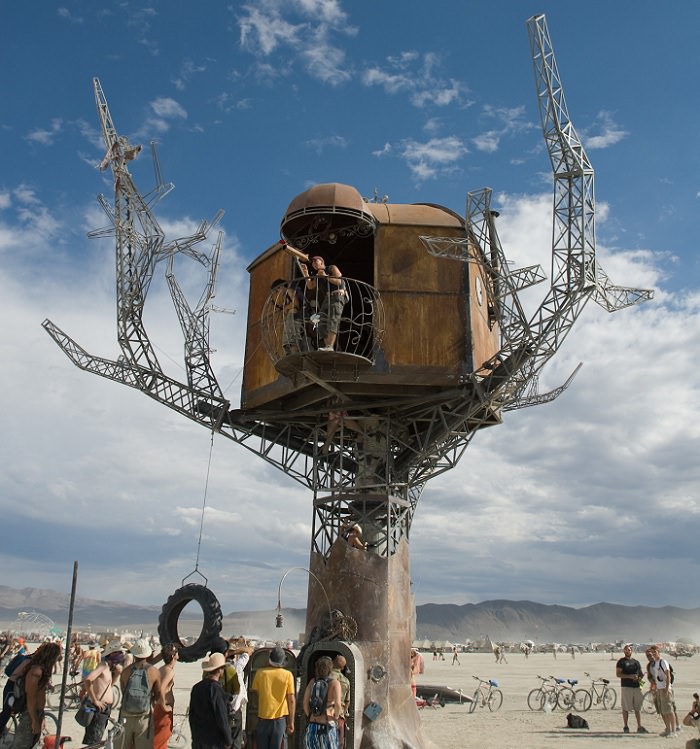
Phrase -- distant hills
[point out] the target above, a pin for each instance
(499, 620)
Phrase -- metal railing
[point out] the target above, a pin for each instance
(297, 320)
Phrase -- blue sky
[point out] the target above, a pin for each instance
(593, 497)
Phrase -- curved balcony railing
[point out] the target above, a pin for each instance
(297, 322)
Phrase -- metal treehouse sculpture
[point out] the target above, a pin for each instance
(428, 352)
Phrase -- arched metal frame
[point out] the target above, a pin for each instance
(294, 318)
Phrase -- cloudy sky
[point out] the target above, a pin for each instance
(591, 498)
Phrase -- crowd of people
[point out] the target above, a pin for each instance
(146, 677)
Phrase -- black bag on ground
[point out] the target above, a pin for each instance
(576, 721)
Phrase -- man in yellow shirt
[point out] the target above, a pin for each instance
(274, 686)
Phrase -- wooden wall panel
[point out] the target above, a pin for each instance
(424, 330)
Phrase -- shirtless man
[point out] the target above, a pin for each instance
(165, 707)
(98, 687)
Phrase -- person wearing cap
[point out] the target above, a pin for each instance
(98, 688)
(274, 687)
(208, 712)
(352, 533)
(233, 683)
(138, 729)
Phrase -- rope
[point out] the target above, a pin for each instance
(204, 505)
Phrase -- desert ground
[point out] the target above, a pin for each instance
(514, 725)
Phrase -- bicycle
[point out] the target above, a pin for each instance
(599, 693)
(486, 695)
(178, 738)
(553, 691)
(49, 727)
(71, 697)
(649, 703)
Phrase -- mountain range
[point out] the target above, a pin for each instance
(499, 620)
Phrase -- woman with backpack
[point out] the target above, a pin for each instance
(30, 688)
(322, 706)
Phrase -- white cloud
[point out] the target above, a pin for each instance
(414, 74)
(610, 133)
(46, 137)
(168, 108)
(332, 141)
(267, 28)
(436, 156)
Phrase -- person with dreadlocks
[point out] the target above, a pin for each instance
(36, 679)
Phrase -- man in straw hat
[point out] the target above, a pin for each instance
(98, 687)
(274, 686)
(208, 714)
(140, 685)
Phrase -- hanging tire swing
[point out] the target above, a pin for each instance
(211, 624)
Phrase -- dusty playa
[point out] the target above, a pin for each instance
(514, 725)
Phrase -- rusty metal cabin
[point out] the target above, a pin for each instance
(415, 323)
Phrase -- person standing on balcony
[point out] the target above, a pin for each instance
(330, 297)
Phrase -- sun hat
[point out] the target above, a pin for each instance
(277, 657)
(114, 646)
(141, 649)
(216, 660)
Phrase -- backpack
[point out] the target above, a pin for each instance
(18, 699)
(137, 693)
(16, 661)
(230, 681)
(319, 696)
(670, 670)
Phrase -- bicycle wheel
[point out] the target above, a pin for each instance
(116, 696)
(9, 734)
(177, 740)
(495, 700)
(71, 699)
(565, 698)
(48, 728)
(609, 698)
(535, 700)
(53, 694)
(475, 700)
(649, 703)
(582, 700)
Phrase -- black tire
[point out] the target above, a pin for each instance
(211, 623)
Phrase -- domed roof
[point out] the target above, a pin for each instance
(313, 210)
